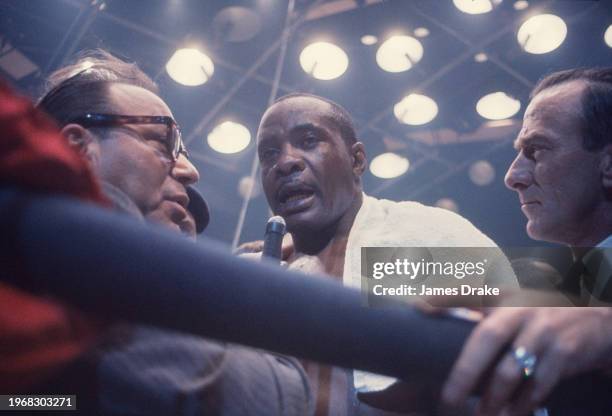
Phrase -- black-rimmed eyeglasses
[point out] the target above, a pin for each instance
(173, 140)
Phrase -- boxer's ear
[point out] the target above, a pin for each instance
(359, 158)
(83, 141)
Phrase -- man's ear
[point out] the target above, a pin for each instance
(83, 141)
(359, 158)
(605, 166)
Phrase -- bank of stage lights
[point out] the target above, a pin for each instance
(326, 61)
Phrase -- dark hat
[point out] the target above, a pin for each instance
(198, 208)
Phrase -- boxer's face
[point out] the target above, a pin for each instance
(307, 169)
(557, 180)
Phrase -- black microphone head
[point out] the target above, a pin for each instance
(273, 238)
(276, 224)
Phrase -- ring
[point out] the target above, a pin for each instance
(526, 361)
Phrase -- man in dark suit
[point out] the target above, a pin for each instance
(563, 176)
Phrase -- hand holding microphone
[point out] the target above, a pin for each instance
(253, 250)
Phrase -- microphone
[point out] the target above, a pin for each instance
(273, 238)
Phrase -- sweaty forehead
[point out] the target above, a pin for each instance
(132, 100)
(297, 111)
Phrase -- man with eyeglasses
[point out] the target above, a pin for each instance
(110, 111)
(130, 138)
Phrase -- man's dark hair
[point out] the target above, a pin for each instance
(82, 87)
(596, 102)
(339, 115)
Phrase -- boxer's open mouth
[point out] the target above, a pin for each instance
(293, 198)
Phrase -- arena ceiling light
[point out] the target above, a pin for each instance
(482, 173)
(229, 137)
(497, 106)
(475, 6)
(415, 109)
(520, 4)
(324, 60)
(542, 33)
(481, 57)
(190, 67)
(399, 53)
(389, 165)
(369, 40)
(421, 32)
(608, 36)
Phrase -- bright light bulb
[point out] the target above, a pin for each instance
(229, 137)
(399, 53)
(542, 33)
(324, 60)
(497, 106)
(415, 109)
(474, 6)
(421, 32)
(389, 165)
(369, 40)
(521, 4)
(190, 67)
(481, 57)
(608, 36)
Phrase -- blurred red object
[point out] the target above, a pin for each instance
(38, 335)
